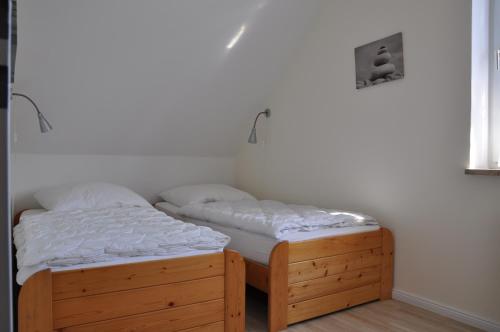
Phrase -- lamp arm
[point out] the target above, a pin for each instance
(29, 99)
(267, 113)
(257, 118)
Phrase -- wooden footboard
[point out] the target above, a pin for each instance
(198, 293)
(316, 277)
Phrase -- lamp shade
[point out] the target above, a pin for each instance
(252, 139)
(45, 125)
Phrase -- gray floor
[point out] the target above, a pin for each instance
(377, 316)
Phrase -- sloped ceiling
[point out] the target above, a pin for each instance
(151, 77)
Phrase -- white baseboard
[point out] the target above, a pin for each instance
(446, 311)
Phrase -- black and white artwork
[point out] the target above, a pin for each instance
(380, 61)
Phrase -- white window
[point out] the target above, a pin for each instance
(485, 85)
(495, 83)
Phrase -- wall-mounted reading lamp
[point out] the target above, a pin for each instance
(45, 125)
(253, 134)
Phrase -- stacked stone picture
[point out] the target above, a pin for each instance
(380, 61)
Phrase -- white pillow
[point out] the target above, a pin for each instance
(87, 196)
(204, 193)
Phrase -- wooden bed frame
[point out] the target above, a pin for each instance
(190, 294)
(312, 278)
(316, 277)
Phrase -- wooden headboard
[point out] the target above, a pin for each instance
(17, 218)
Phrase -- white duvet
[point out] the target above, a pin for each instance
(56, 239)
(273, 218)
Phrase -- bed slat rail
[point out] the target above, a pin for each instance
(214, 327)
(310, 289)
(326, 304)
(78, 283)
(332, 246)
(190, 294)
(175, 319)
(257, 275)
(329, 266)
(94, 308)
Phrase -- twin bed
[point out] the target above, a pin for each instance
(103, 259)
(168, 275)
(309, 261)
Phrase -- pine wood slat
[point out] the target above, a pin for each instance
(192, 318)
(95, 308)
(257, 275)
(278, 288)
(326, 304)
(327, 266)
(234, 292)
(75, 283)
(35, 303)
(214, 327)
(313, 249)
(314, 288)
(387, 269)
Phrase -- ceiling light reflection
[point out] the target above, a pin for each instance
(236, 37)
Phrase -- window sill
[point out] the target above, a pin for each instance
(488, 172)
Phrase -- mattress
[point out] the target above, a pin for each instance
(26, 272)
(258, 247)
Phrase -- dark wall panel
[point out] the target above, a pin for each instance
(5, 228)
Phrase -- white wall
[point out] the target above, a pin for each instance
(151, 77)
(130, 86)
(146, 175)
(396, 151)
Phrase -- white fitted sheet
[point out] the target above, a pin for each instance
(26, 272)
(258, 247)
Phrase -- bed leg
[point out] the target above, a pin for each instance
(234, 284)
(35, 303)
(387, 277)
(277, 312)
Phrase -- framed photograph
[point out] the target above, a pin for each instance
(380, 61)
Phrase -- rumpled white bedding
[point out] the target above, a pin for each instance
(56, 239)
(274, 219)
